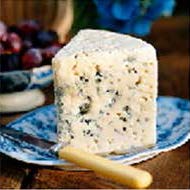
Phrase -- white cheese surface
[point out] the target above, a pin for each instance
(105, 92)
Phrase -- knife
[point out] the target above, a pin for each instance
(123, 174)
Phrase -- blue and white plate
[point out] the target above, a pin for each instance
(173, 130)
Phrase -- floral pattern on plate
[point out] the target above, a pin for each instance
(173, 130)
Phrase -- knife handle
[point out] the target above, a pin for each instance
(123, 174)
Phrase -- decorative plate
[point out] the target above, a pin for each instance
(22, 80)
(173, 130)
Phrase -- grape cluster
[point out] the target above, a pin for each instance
(26, 45)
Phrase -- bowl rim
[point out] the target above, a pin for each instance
(24, 71)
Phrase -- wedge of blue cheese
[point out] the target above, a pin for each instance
(105, 92)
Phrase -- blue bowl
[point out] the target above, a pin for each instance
(35, 78)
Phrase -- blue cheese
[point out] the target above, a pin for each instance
(105, 92)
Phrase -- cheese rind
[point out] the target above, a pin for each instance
(105, 92)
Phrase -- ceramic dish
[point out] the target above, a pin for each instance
(173, 121)
(22, 80)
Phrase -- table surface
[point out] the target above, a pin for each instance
(170, 170)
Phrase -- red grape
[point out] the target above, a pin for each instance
(3, 28)
(45, 38)
(1, 48)
(32, 58)
(29, 27)
(11, 42)
(50, 51)
(27, 44)
(14, 29)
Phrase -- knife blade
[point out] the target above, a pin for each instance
(19, 136)
(126, 175)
